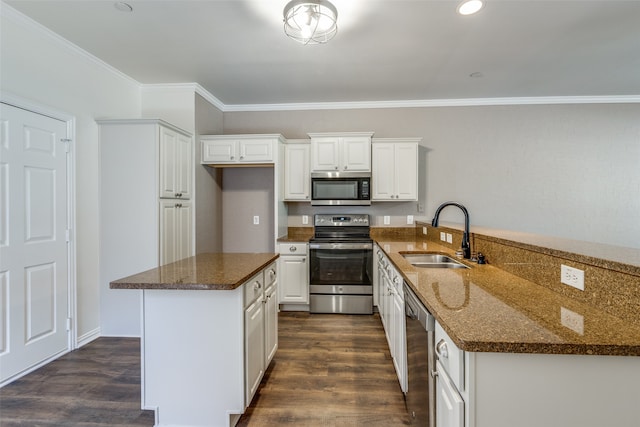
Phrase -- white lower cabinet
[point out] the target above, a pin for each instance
(391, 309)
(260, 327)
(483, 389)
(449, 403)
(294, 273)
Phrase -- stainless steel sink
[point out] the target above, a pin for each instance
(433, 261)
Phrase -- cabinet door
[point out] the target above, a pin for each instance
(184, 231)
(356, 153)
(255, 150)
(294, 280)
(254, 347)
(383, 172)
(296, 172)
(449, 403)
(168, 232)
(399, 340)
(406, 171)
(218, 151)
(168, 164)
(184, 166)
(176, 235)
(270, 323)
(325, 154)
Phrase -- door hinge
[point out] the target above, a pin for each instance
(67, 144)
(68, 324)
(67, 235)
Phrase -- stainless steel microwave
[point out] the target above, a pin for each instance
(340, 188)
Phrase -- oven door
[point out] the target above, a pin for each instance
(340, 264)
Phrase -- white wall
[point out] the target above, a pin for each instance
(570, 171)
(39, 67)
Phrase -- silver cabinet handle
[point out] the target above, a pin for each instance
(441, 349)
(232, 157)
(293, 249)
(241, 157)
(257, 286)
(272, 272)
(336, 168)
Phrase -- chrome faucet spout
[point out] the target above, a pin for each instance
(466, 247)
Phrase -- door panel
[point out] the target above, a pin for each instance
(34, 285)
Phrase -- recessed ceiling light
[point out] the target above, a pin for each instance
(123, 7)
(469, 7)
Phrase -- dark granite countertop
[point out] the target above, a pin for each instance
(211, 271)
(485, 309)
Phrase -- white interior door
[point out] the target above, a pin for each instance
(34, 276)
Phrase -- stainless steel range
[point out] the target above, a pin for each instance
(341, 254)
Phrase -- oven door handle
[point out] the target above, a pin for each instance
(341, 245)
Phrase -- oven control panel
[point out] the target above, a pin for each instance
(328, 220)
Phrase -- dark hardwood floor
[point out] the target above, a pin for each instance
(97, 385)
(330, 370)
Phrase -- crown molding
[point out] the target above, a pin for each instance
(462, 102)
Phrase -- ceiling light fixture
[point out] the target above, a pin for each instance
(310, 21)
(469, 7)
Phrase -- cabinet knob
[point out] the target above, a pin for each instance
(293, 249)
(336, 168)
(178, 205)
(345, 168)
(241, 157)
(232, 157)
(272, 272)
(257, 286)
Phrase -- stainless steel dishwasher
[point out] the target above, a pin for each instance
(420, 397)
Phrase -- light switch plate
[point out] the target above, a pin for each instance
(443, 236)
(256, 220)
(305, 219)
(424, 230)
(409, 219)
(449, 238)
(386, 220)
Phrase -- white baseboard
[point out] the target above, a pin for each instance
(88, 337)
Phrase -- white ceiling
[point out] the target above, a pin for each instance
(385, 50)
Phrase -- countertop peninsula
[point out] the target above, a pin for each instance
(207, 271)
(485, 309)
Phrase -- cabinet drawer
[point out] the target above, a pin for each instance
(293, 248)
(270, 275)
(253, 289)
(450, 357)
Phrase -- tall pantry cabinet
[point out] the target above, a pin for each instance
(146, 208)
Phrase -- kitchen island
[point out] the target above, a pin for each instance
(525, 354)
(209, 331)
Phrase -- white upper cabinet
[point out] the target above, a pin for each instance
(394, 169)
(341, 152)
(297, 179)
(239, 149)
(175, 164)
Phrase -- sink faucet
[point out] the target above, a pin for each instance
(466, 248)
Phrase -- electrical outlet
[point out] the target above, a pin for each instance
(424, 230)
(256, 220)
(572, 276)
(386, 220)
(305, 219)
(572, 320)
(409, 247)
(409, 219)
(449, 238)
(443, 236)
